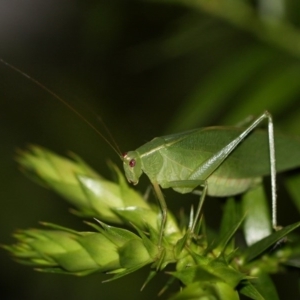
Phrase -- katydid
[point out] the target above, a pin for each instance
(212, 158)
(222, 161)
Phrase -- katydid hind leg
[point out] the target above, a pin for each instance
(204, 170)
(273, 171)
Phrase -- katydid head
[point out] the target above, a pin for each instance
(132, 166)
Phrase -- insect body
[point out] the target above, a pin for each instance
(223, 161)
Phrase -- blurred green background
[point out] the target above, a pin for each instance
(147, 68)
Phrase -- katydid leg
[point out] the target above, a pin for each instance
(163, 205)
(204, 170)
(199, 208)
(193, 183)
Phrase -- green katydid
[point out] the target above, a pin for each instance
(223, 161)
(215, 158)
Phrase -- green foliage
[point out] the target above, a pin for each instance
(215, 63)
(220, 268)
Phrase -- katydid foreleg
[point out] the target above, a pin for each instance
(163, 205)
(164, 209)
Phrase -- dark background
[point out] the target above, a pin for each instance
(147, 69)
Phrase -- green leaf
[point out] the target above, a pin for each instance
(218, 87)
(249, 290)
(103, 253)
(61, 271)
(264, 285)
(257, 224)
(75, 261)
(145, 218)
(118, 236)
(274, 89)
(194, 274)
(224, 239)
(101, 196)
(228, 274)
(123, 272)
(207, 291)
(230, 216)
(133, 253)
(149, 245)
(215, 271)
(139, 216)
(258, 248)
(293, 184)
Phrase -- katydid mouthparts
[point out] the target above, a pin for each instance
(222, 161)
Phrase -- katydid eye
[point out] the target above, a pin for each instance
(132, 163)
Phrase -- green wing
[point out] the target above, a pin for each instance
(249, 159)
